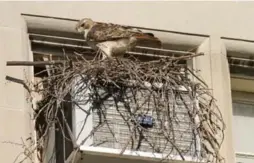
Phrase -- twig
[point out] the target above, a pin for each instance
(33, 63)
(69, 131)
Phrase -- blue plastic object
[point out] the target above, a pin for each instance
(145, 121)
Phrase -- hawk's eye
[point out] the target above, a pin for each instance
(82, 25)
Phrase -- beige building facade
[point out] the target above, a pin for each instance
(219, 29)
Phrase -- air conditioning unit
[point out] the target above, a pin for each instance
(102, 125)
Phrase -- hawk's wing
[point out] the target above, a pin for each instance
(107, 32)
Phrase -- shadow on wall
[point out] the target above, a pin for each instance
(242, 109)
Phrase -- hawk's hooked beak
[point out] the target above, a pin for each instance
(77, 28)
(80, 30)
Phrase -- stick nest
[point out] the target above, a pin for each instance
(150, 106)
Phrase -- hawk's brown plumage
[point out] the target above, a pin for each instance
(112, 39)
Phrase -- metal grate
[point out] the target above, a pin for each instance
(81, 45)
(241, 66)
(181, 131)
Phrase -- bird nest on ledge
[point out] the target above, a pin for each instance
(161, 109)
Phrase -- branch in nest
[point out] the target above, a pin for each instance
(136, 87)
(33, 63)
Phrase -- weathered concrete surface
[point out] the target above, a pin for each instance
(228, 19)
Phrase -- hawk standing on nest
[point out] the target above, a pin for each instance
(110, 39)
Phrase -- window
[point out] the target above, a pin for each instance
(243, 119)
(240, 58)
(50, 41)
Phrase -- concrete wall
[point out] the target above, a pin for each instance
(231, 19)
(228, 19)
(15, 113)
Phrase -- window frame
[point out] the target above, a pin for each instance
(171, 38)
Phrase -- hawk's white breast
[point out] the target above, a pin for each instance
(119, 46)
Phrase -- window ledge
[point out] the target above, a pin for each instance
(132, 154)
(245, 155)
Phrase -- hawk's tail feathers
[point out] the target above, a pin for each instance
(149, 38)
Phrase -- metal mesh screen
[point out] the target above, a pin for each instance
(117, 133)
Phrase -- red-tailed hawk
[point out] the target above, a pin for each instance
(112, 40)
